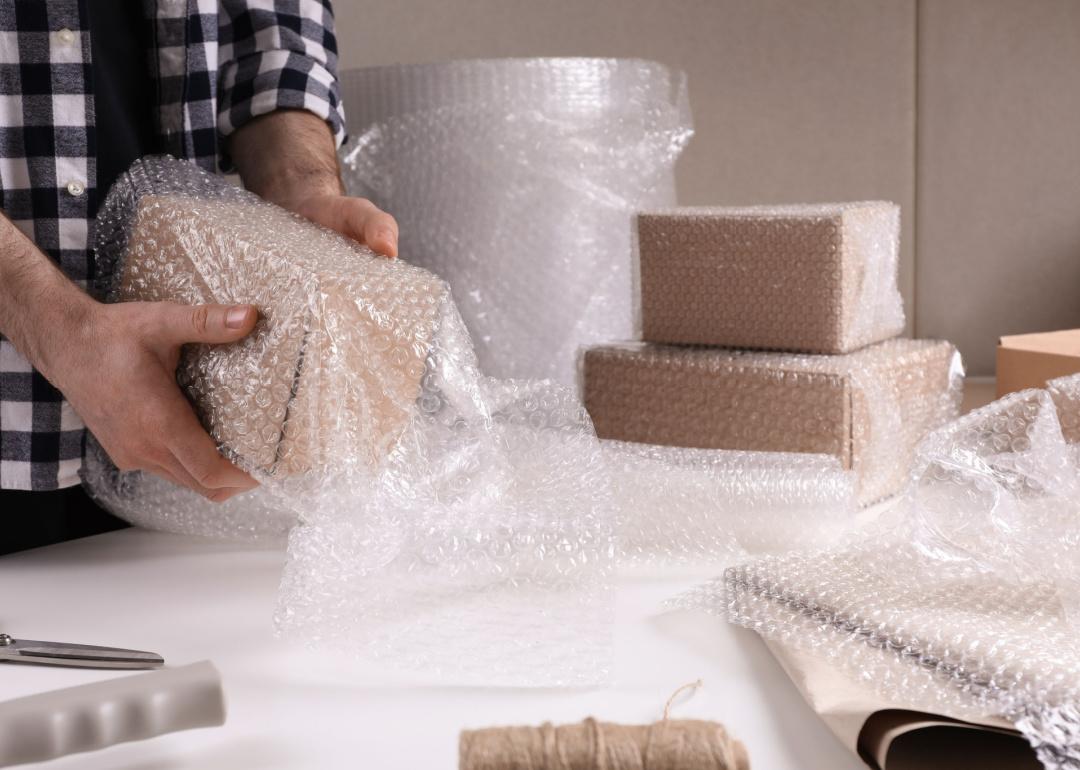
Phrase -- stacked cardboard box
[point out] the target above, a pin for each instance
(775, 329)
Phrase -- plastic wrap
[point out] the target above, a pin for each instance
(436, 518)
(516, 181)
(695, 509)
(448, 520)
(870, 408)
(964, 599)
(816, 278)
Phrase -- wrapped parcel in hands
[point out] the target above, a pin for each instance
(334, 368)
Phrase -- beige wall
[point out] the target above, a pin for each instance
(998, 172)
(802, 100)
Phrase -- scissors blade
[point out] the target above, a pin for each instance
(82, 655)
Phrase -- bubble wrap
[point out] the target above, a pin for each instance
(516, 180)
(869, 408)
(444, 519)
(816, 278)
(694, 510)
(964, 599)
(436, 518)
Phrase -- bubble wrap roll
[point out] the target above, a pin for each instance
(516, 180)
(815, 278)
(869, 408)
(965, 598)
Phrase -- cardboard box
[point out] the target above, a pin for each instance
(869, 408)
(333, 369)
(815, 278)
(1029, 360)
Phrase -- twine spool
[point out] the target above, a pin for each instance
(592, 745)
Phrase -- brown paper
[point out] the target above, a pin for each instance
(895, 735)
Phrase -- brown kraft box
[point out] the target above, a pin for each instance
(869, 408)
(818, 278)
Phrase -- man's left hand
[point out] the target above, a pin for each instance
(288, 157)
(356, 218)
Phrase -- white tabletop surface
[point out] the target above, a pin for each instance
(191, 600)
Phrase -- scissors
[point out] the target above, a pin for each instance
(80, 655)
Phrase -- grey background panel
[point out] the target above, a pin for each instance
(974, 105)
(998, 172)
(793, 100)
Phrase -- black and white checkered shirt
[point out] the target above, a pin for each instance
(213, 66)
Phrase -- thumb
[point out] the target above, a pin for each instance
(208, 323)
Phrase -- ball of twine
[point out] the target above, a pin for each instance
(592, 745)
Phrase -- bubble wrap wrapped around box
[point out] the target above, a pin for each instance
(869, 408)
(818, 278)
(516, 180)
(965, 599)
(436, 518)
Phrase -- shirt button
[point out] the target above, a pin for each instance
(76, 188)
(66, 36)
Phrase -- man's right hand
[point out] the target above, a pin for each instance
(117, 367)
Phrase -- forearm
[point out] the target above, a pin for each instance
(289, 158)
(39, 305)
(286, 157)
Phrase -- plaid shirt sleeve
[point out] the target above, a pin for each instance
(277, 54)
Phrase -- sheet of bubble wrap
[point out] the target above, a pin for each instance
(964, 599)
(435, 518)
(516, 181)
(697, 510)
(869, 408)
(818, 278)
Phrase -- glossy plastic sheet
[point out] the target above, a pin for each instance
(436, 518)
(965, 598)
(516, 181)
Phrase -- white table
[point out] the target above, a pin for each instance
(191, 599)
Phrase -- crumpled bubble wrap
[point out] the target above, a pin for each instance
(869, 408)
(964, 598)
(436, 518)
(516, 181)
(427, 496)
(816, 278)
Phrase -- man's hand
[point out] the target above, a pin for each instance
(288, 158)
(116, 364)
(356, 218)
(117, 367)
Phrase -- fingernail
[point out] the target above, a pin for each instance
(235, 317)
